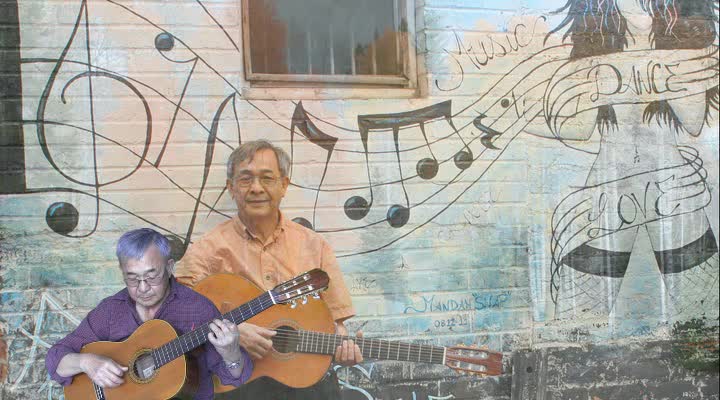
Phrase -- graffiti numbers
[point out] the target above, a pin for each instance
(460, 320)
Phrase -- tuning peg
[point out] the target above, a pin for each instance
(304, 299)
(293, 304)
(316, 295)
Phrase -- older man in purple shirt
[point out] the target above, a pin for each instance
(151, 293)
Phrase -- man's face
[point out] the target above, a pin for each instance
(147, 278)
(257, 187)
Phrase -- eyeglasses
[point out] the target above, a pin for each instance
(246, 181)
(152, 280)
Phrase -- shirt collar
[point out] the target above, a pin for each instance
(244, 232)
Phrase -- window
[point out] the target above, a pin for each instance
(335, 43)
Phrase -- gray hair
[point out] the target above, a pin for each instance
(247, 150)
(133, 245)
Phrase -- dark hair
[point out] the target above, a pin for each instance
(596, 27)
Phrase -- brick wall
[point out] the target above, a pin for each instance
(591, 220)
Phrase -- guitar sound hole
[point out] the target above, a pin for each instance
(286, 339)
(144, 367)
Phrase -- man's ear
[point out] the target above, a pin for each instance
(285, 181)
(228, 186)
(170, 266)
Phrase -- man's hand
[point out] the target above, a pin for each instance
(102, 370)
(348, 353)
(224, 336)
(255, 339)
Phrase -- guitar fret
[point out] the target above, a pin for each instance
(165, 354)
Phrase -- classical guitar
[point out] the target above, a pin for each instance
(306, 340)
(154, 353)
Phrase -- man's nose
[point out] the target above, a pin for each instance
(143, 286)
(255, 186)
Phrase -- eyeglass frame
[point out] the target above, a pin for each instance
(273, 180)
(150, 281)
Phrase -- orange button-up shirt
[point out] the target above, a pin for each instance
(291, 250)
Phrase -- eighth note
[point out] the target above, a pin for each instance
(317, 137)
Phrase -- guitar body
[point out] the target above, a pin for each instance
(164, 384)
(290, 368)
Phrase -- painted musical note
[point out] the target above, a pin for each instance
(164, 43)
(398, 215)
(302, 122)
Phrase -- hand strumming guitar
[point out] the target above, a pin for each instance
(102, 370)
(255, 339)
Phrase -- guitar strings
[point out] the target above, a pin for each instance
(326, 342)
(190, 340)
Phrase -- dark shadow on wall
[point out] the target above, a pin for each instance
(12, 154)
(683, 368)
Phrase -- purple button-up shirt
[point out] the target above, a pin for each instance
(115, 319)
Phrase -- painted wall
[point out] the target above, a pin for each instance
(575, 199)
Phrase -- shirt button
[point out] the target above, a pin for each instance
(268, 277)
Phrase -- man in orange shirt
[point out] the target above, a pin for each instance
(263, 246)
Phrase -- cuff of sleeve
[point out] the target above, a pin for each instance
(52, 360)
(227, 379)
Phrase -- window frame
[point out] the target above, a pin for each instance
(400, 84)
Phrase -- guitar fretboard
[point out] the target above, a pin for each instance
(197, 337)
(327, 343)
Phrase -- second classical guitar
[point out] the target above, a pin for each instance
(306, 340)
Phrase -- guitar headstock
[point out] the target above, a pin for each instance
(474, 360)
(309, 283)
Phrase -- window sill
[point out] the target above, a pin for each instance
(294, 93)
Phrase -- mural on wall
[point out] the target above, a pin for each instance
(115, 110)
(642, 182)
(87, 173)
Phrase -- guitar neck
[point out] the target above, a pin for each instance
(198, 336)
(379, 349)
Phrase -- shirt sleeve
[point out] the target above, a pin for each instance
(215, 363)
(337, 296)
(90, 330)
(194, 265)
